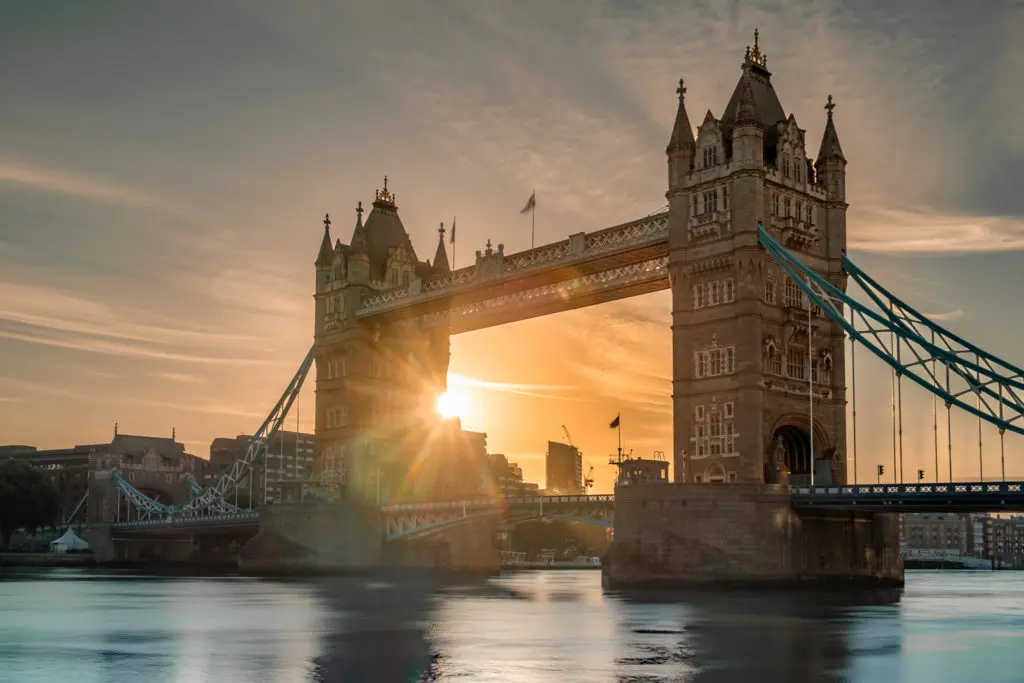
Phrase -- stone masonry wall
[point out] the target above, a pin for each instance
(726, 534)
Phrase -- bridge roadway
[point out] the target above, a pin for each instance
(941, 497)
(420, 519)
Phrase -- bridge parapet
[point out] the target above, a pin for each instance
(576, 249)
(950, 497)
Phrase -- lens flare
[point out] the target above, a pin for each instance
(452, 403)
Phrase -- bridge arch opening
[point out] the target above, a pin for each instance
(791, 447)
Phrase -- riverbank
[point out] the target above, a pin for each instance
(47, 560)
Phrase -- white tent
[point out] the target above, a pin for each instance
(69, 541)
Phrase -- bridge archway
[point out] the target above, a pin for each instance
(789, 444)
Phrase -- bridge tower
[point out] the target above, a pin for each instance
(741, 353)
(375, 385)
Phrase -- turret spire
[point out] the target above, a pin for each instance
(326, 253)
(682, 131)
(358, 241)
(441, 255)
(830, 149)
(754, 56)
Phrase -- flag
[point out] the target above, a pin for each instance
(615, 422)
(453, 231)
(531, 203)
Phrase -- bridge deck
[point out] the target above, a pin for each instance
(942, 497)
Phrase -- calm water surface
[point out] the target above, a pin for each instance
(86, 627)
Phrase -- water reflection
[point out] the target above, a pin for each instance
(530, 626)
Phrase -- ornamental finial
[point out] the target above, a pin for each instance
(754, 55)
(681, 90)
(829, 106)
(327, 221)
(440, 231)
(385, 197)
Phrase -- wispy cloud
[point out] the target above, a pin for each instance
(955, 314)
(549, 391)
(926, 231)
(75, 185)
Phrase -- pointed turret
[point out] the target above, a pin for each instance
(358, 242)
(746, 109)
(326, 253)
(682, 132)
(830, 149)
(359, 253)
(441, 266)
(682, 148)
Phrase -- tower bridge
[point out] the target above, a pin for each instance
(753, 250)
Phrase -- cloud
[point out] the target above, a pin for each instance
(924, 230)
(117, 349)
(71, 184)
(955, 314)
(534, 390)
(10, 399)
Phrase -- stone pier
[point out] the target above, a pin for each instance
(744, 535)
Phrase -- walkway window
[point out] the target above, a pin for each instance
(796, 363)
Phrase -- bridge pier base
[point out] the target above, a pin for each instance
(314, 538)
(744, 535)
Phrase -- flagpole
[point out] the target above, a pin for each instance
(453, 243)
(533, 220)
(618, 419)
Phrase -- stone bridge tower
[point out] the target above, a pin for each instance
(375, 384)
(741, 391)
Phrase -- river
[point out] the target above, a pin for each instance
(84, 626)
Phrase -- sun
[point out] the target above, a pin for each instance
(452, 403)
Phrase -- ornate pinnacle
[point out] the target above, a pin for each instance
(385, 196)
(359, 211)
(681, 90)
(440, 231)
(829, 106)
(754, 55)
(327, 221)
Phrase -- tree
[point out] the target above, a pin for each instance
(27, 500)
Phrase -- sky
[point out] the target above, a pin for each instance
(165, 167)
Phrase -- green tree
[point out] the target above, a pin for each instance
(27, 500)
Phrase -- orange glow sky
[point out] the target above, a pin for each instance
(163, 174)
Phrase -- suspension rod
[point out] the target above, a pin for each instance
(810, 379)
(853, 374)
(892, 382)
(899, 405)
(981, 460)
(949, 427)
(935, 421)
(1002, 445)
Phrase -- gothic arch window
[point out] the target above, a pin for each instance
(796, 170)
(714, 475)
(785, 165)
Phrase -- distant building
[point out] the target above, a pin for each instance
(157, 466)
(564, 468)
(290, 457)
(936, 531)
(507, 478)
(642, 470)
(1004, 539)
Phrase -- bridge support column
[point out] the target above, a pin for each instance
(312, 538)
(744, 534)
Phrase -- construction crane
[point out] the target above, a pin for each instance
(588, 481)
(568, 437)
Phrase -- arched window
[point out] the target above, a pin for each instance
(785, 165)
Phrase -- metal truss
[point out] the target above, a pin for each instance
(945, 497)
(639, 273)
(74, 512)
(914, 346)
(211, 501)
(577, 248)
(416, 520)
(145, 506)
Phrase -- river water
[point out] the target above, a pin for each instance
(558, 626)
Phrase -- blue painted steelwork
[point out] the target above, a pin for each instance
(950, 497)
(71, 517)
(211, 501)
(413, 520)
(998, 386)
(240, 518)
